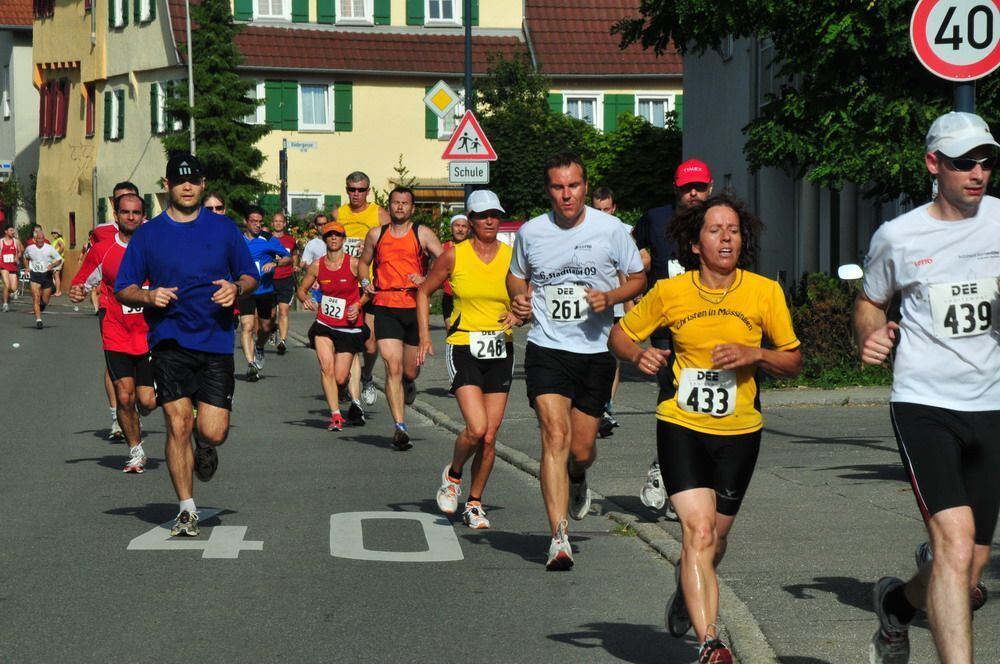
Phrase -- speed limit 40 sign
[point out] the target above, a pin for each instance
(958, 40)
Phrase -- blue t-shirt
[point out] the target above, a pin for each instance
(650, 233)
(264, 250)
(189, 256)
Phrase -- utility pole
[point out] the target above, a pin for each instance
(469, 99)
(190, 59)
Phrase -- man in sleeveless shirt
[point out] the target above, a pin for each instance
(358, 216)
(394, 255)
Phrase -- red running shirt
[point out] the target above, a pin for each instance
(8, 255)
(124, 329)
(288, 242)
(340, 290)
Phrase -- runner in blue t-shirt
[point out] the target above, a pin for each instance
(196, 264)
(257, 309)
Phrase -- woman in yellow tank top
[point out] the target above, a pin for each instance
(480, 350)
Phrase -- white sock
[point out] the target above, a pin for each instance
(187, 505)
(114, 414)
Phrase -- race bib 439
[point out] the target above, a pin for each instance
(963, 308)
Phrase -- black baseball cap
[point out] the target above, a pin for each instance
(184, 167)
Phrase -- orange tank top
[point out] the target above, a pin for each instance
(396, 258)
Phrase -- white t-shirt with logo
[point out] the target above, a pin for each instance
(40, 260)
(315, 248)
(559, 263)
(948, 353)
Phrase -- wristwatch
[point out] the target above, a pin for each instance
(239, 288)
(365, 283)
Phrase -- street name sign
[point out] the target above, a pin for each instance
(469, 172)
(957, 40)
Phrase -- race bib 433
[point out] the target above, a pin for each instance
(707, 391)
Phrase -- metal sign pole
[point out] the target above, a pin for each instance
(965, 97)
(469, 99)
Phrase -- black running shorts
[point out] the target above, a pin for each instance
(202, 377)
(490, 376)
(585, 378)
(44, 279)
(396, 323)
(284, 290)
(952, 459)
(125, 365)
(690, 459)
(263, 305)
(343, 341)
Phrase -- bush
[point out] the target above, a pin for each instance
(821, 313)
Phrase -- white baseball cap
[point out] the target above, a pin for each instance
(482, 200)
(956, 133)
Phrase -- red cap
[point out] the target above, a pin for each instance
(690, 171)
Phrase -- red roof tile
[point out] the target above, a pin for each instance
(574, 39)
(16, 12)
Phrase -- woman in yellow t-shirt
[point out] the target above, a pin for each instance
(708, 434)
(480, 350)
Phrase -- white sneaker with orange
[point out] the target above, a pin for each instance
(474, 516)
(447, 495)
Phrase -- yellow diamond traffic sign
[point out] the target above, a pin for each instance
(441, 99)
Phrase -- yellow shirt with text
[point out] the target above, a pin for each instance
(480, 292)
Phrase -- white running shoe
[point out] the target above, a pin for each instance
(652, 493)
(116, 431)
(136, 461)
(474, 516)
(560, 552)
(369, 395)
(5, 307)
(447, 495)
(258, 358)
(891, 642)
(579, 499)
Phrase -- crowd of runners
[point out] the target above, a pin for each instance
(674, 296)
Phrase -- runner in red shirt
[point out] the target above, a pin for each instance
(284, 277)
(11, 250)
(123, 329)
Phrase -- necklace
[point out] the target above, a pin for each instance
(711, 299)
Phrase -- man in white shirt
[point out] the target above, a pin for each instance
(944, 258)
(564, 276)
(40, 259)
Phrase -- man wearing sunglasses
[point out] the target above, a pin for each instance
(944, 258)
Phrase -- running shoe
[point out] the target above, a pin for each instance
(6, 308)
(186, 524)
(676, 617)
(978, 596)
(669, 513)
(281, 347)
(579, 498)
(409, 392)
(607, 425)
(714, 651)
(891, 642)
(38, 324)
(136, 461)
(116, 431)
(447, 495)
(356, 414)
(206, 461)
(253, 373)
(474, 516)
(368, 392)
(258, 358)
(336, 422)
(923, 554)
(560, 552)
(401, 439)
(273, 339)
(652, 493)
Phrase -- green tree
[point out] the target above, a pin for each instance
(854, 103)
(226, 145)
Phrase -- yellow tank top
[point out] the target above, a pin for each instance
(480, 292)
(357, 224)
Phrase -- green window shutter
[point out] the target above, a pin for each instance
(153, 126)
(475, 12)
(272, 103)
(331, 203)
(152, 10)
(414, 12)
(343, 106)
(430, 120)
(111, 14)
(615, 105)
(383, 12)
(107, 116)
(679, 109)
(243, 10)
(125, 11)
(325, 12)
(300, 11)
(136, 8)
(148, 200)
(102, 210)
(271, 203)
(555, 100)
(290, 105)
(121, 113)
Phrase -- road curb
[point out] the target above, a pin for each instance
(745, 636)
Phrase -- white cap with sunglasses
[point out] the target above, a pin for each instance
(955, 134)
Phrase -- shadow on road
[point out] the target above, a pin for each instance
(801, 660)
(116, 461)
(872, 471)
(158, 513)
(851, 592)
(634, 506)
(630, 643)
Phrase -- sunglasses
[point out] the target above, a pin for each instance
(357, 190)
(334, 234)
(966, 164)
(700, 187)
(217, 208)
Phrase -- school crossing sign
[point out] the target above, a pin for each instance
(957, 40)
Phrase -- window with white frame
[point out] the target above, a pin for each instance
(273, 9)
(446, 125)
(443, 11)
(315, 106)
(654, 108)
(301, 204)
(159, 108)
(355, 11)
(114, 109)
(256, 95)
(145, 10)
(5, 95)
(584, 107)
(118, 18)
